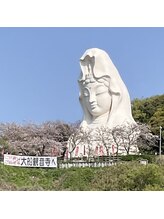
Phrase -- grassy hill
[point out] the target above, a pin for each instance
(129, 176)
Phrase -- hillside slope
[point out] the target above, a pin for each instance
(122, 177)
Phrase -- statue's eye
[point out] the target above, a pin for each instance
(101, 90)
(86, 94)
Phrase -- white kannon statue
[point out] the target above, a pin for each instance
(104, 99)
(103, 95)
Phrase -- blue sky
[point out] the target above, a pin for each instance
(39, 68)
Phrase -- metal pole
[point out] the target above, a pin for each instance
(160, 128)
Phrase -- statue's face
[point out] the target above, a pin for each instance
(97, 98)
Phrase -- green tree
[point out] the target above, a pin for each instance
(149, 111)
(157, 120)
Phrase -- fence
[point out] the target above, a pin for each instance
(88, 162)
(85, 164)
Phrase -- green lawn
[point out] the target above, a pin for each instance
(130, 176)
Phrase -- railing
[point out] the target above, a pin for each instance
(88, 162)
(101, 161)
(85, 164)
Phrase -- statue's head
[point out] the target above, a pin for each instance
(103, 95)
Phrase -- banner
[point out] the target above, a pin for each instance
(30, 161)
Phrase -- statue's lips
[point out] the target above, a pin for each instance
(93, 106)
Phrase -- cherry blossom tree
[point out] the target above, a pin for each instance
(49, 138)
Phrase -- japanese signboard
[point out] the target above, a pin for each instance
(30, 161)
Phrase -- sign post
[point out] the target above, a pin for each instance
(160, 129)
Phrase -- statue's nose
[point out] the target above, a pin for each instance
(92, 98)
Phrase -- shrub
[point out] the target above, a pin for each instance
(150, 158)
